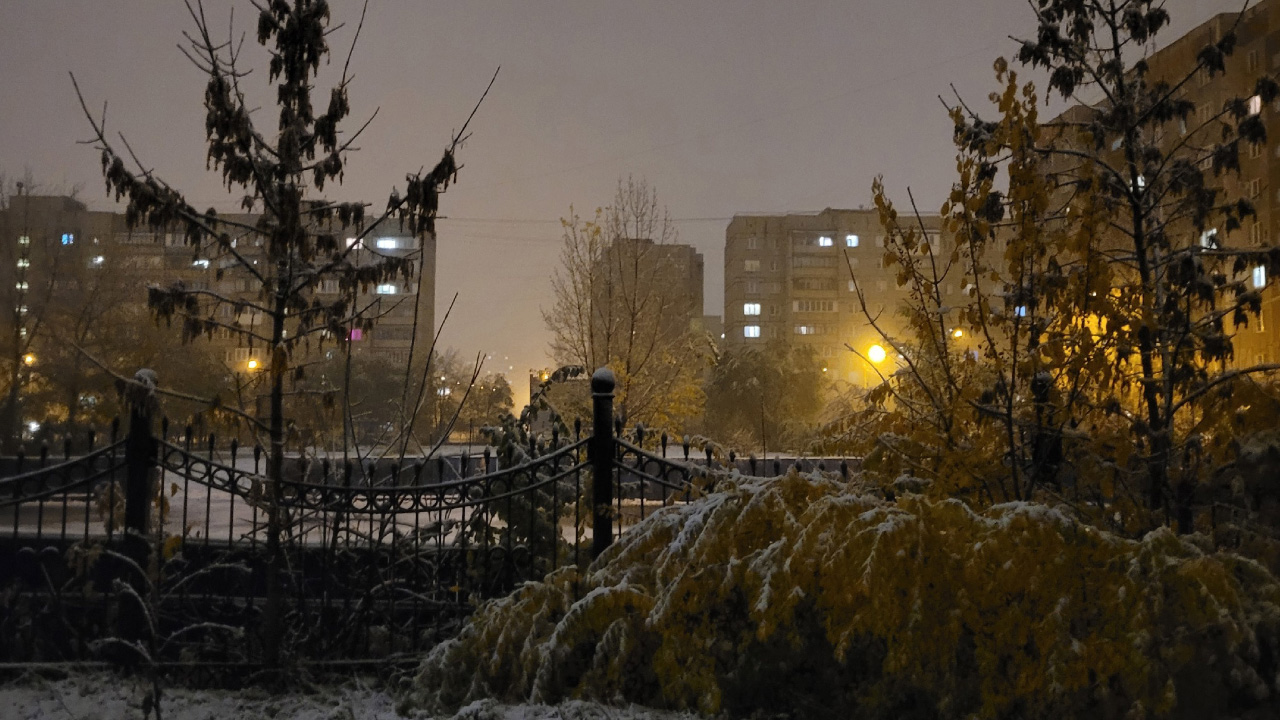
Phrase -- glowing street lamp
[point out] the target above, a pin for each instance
(252, 364)
(876, 354)
(29, 359)
(957, 333)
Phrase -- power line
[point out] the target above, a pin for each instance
(544, 221)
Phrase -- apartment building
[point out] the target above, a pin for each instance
(53, 245)
(668, 277)
(794, 278)
(1257, 53)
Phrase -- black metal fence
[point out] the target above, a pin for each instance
(154, 549)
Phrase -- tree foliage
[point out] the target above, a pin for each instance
(297, 239)
(768, 397)
(1106, 272)
(808, 595)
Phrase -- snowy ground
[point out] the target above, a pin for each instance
(105, 696)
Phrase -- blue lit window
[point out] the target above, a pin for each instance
(1260, 277)
(68, 238)
(751, 331)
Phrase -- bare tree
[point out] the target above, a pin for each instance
(623, 300)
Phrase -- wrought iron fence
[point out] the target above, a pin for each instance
(157, 549)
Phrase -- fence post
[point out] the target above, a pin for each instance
(139, 456)
(601, 451)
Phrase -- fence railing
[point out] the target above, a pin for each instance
(162, 549)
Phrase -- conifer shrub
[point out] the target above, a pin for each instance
(807, 596)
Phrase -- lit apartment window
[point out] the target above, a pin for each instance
(356, 335)
(24, 240)
(806, 330)
(24, 262)
(97, 260)
(352, 241)
(1209, 239)
(1020, 311)
(387, 244)
(751, 331)
(751, 308)
(386, 289)
(22, 285)
(68, 238)
(201, 263)
(825, 241)
(751, 265)
(23, 309)
(1260, 277)
(1255, 105)
(851, 241)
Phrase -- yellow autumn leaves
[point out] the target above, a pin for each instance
(1017, 611)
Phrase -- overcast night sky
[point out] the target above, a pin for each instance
(723, 107)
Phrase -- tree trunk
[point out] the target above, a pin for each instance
(275, 473)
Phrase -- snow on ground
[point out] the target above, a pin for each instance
(106, 696)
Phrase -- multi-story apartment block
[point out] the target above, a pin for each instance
(794, 278)
(51, 245)
(1257, 53)
(669, 276)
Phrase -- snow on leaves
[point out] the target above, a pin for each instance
(802, 592)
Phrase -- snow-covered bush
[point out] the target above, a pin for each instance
(808, 595)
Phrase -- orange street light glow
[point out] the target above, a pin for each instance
(876, 354)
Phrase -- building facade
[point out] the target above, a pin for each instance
(51, 246)
(794, 278)
(1256, 53)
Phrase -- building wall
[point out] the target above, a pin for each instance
(642, 291)
(1257, 52)
(794, 278)
(101, 244)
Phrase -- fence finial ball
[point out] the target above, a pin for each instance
(146, 377)
(141, 393)
(602, 382)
